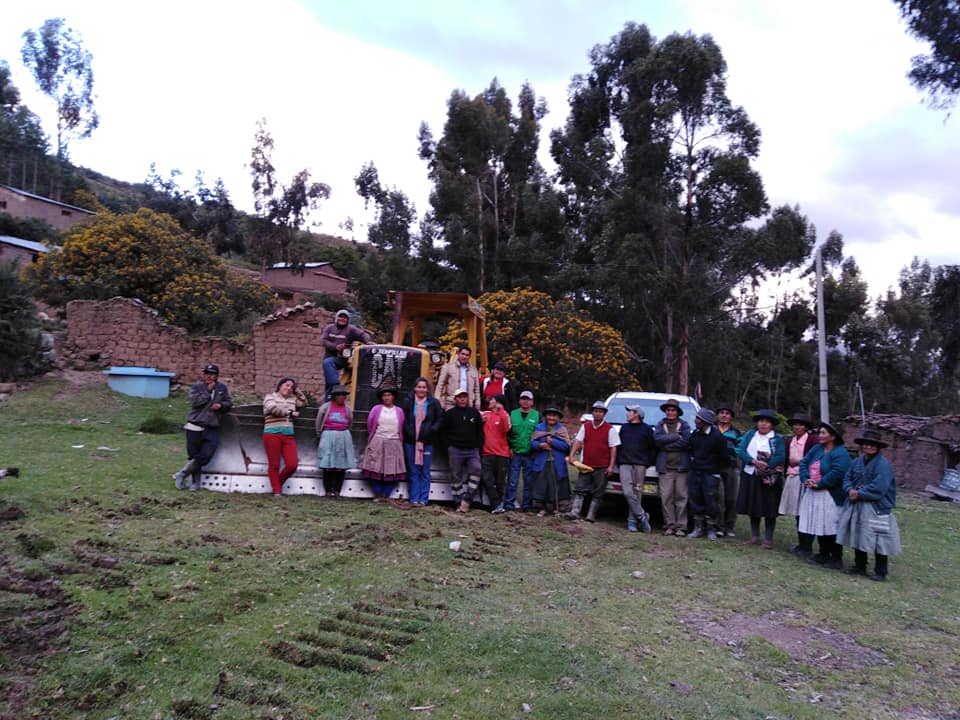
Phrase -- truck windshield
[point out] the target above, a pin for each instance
(617, 410)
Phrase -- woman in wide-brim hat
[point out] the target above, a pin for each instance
(797, 447)
(866, 522)
(549, 445)
(383, 463)
(335, 452)
(761, 452)
(822, 471)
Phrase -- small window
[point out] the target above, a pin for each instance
(3, 204)
(66, 213)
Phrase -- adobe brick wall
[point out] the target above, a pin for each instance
(122, 331)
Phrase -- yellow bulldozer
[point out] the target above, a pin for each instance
(240, 464)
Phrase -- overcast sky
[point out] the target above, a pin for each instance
(182, 84)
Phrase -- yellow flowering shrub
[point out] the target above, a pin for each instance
(550, 346)
(147, 255)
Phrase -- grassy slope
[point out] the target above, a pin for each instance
(207, 605)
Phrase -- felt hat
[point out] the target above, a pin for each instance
(871, 437)
(671, 403)
(765, 413)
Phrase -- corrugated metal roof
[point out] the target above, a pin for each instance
(30, 245)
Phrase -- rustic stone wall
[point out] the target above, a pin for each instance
(122, 331)
(288, 343)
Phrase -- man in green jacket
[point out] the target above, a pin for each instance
(523, 421)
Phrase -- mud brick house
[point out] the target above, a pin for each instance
(18, 250)
(921, 448)
(24, 205)
(311, 277)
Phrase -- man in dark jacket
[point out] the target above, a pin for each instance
(335, 337)
(209, 401)
(708, 456)
(462, 429)
(637, 452)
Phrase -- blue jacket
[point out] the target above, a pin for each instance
(636, 445)
(833, 468)
(873, 481)
(559, 451)
(778, 449)
(678, 442)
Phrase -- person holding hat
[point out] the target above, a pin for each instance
(761, 451)
(497, 383)
(672, 436)
(727, 491)
(462, 430)
(279, 410)
(383, 463)
(599, 441)
(549, 444)
(421, 427)
(636, 453)
(708, 455)
(456, 375)
(822, 471)
(334, 338)
(523, 421)
(866, 522)
(209, 401)
(798, 445)
(335, 452)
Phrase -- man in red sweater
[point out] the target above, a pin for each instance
(599, 440)
(495, 458)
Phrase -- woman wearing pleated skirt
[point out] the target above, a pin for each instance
(821, 472)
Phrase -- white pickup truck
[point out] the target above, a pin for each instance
(652, 414)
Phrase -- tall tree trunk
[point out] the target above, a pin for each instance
(480, 232)
(668, 348)
(496, 228)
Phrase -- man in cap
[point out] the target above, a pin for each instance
(599, 441)
(708, 455)
(523, 421)
(727, 492)
(636, 453)
(462, 430)
(209, 401)
(672, 436)
(335, 337)
(497, 383)
(458, 374)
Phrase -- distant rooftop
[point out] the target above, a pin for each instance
(31, 245)
(18, 191)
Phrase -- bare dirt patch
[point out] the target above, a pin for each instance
(793, 634)
(75, 381)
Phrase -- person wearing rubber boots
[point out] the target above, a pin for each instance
(708, 455)
(209, 401)
(599, 441)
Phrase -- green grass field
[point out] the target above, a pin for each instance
(123, 598)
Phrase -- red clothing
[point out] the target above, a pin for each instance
(492, 386)
(596, 445)
(496, 427)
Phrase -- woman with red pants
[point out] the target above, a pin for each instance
(279, 410)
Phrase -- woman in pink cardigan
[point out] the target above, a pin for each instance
(383, 462)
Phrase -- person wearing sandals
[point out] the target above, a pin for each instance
(383, 463)
(760, 451)
(421, 425)
(798, 445)
(866, 522)
(335, 453)
(822, 471)
(550, 444)
(279, 409)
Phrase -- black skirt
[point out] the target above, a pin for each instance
(756, 498)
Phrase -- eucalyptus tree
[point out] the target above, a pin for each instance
(487, 185)
(62, 67)
(938, 23)
(656, 163)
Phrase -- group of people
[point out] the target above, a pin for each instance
(493, 436)
(760, 474)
